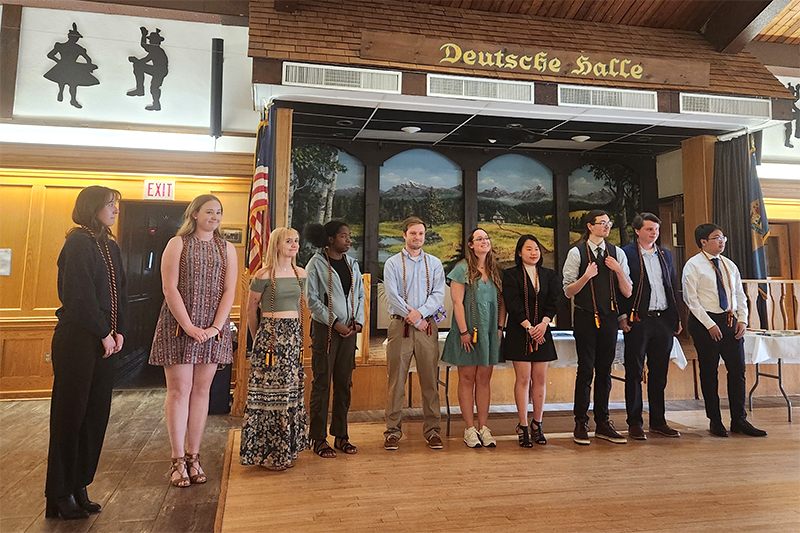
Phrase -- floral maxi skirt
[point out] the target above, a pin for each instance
(275, 427)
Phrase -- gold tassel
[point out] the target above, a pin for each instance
(635, 317)
(474, 335)
(597, 320)
(270, 359)
(730, 318)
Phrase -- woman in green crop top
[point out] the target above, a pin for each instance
(275, 429)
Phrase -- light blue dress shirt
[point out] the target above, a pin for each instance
(415, 283)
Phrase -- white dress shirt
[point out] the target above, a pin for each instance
(572, 264)
(700, 288)
(652, 264)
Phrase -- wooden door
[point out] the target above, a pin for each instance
(145, 228)
(777, 248)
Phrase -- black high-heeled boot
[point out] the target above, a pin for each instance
(65, 507)
(83, 501)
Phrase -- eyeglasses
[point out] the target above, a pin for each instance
(481, 239)
(604, 223)
(720, 238)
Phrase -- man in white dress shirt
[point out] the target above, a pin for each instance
(712, 289)
(595, 273)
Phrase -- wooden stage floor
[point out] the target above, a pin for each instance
(692, 484)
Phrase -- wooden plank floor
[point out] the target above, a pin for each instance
(416, 488)
(692, 484)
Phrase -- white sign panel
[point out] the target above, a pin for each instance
(121, 69)
(159, 190)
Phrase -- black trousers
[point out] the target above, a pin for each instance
(335, 366)
(708, 353)
(79, 409)
(595, 347)
(652, 337)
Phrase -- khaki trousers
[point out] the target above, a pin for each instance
(399, 351)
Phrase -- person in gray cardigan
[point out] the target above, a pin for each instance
(335, 297)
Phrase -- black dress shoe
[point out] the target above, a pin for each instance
(83, 501)
(743, 426)
(717, 429)
(66, 508)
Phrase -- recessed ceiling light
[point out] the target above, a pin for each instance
(580, 138)
(340, 134)
(492, 141)
(644, 138)
(410, 129)
(514, 125)
(344, 122)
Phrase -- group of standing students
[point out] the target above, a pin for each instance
(498, 315)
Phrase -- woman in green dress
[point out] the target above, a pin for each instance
(473, 343)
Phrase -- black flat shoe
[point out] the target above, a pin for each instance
(743, 426)
(66, 508)
(83, 501)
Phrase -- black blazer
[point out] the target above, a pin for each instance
(668, 277)
(551, 299)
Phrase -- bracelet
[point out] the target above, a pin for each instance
(216, 328)
(463, 332)
(501, 328)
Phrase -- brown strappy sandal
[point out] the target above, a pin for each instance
(323, 449)
(193, 463)
(343, 444)
(179, 466)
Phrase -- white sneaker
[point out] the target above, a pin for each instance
(485, 434)
(471, 438)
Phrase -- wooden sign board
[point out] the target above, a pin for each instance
(441, 54)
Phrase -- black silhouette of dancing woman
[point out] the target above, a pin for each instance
(68, 70)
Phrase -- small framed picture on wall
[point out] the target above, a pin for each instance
(232, 235)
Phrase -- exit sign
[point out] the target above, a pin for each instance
(159, 190)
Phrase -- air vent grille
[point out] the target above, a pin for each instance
(330, 77)
(607, 98)
(479, 89)
(725, 105)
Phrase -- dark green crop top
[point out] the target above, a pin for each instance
(287, 294)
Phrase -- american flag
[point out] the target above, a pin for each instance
(259, 227)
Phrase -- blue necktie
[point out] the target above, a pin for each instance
(723, 297)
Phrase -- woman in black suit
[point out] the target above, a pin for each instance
(533, 295)
(92, 320)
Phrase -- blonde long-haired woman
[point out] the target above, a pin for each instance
(473, 343)
(198, 276)
(275, 430)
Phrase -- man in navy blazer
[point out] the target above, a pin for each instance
(651, 322)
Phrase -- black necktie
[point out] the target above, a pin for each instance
(723, 297)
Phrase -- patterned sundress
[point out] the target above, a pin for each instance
(275, 427)
(201, 280)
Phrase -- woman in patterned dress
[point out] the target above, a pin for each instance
(275, 429)
(198, 275)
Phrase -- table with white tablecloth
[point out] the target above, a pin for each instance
(771, 347)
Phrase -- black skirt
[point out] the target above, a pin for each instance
(513, 347)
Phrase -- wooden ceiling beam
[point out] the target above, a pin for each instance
(736, 22)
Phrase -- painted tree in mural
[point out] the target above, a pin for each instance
(312, 183)
(435, 208)
(624, 184)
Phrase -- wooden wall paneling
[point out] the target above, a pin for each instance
(15, 201)
(25, 369)
(698, 179)
(116, 160)
(283, 164)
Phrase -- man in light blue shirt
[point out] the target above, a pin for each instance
(414, 284)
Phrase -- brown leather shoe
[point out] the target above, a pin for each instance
(636, 433)
(607, 431)
(665, 430)
(392, 442)
(435, 442)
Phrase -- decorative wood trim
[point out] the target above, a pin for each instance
(9, 55)
(283, 164)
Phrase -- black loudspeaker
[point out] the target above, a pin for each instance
(216, 87)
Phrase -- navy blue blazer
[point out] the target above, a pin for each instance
(668, 277)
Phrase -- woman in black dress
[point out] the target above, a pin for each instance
(92, 320)
(532, 295)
